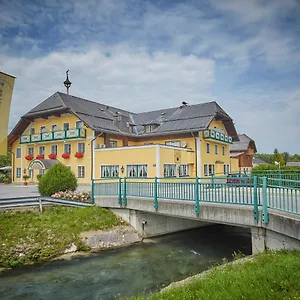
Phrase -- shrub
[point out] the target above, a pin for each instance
(58, 178)
(38, 177)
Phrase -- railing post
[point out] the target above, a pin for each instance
(124, 192)
(93, 191)
(197, 208)
(212, 180)
(265, 216)
(120, 191)
(255, 200)
(155, 193)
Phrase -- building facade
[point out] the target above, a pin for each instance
(99, 141)
(243, 151)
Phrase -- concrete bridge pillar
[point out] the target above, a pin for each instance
(258, 238)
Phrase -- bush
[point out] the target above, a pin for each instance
(58, 178)
(38, 177)
(73, 195)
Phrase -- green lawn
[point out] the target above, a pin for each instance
(29, 236)
(273, 275)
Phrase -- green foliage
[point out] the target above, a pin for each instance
(273, 275)
(5, 160)
(29, 236)
(278, 157)
(26, 177)
(38, 177)
(275, 168)
(58, 178)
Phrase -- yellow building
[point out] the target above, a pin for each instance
(6, 90)
(100, 141)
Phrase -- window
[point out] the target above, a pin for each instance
(226, 169)
(81, 147)
(110, 171)
(137, 171)
(18, 153)
(18, 172)
(54, 127)
(184, 170)
(30, 151)
(209, 169)
(41, 171)
(66, 126)
(30, 174)
(67, 148)
(81, 172)
(173, 143)
(148, 128)
(54, 149)
(216, 149)
(43, 129)
(223, 150)
(32, 131)
(42, 150)
(78, 124)
(207, 148)
(113, 144)
(169, 170)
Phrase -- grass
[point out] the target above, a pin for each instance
(272, 275)
(30, 236)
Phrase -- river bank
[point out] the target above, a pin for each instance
(28, 237)
(271, 275)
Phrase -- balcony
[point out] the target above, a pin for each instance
(218, 136)
(53, 136)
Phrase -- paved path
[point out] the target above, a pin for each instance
(8, 191)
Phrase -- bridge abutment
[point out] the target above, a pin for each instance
(150, 224)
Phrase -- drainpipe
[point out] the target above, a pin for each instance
(196, 160)
(92, 155)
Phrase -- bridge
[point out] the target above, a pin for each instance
(155, 206)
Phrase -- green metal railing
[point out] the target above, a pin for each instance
(255, 192)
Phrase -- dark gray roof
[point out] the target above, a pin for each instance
(101, 117)
(293, 163)
(257, 161)
(242, 144)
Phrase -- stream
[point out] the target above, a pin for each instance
(138, 269)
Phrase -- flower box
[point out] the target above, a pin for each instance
(78, 155)
(52, 156)
(40, 156)
(29, 157)
(66, 155)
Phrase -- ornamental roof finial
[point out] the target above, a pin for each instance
(67, 82)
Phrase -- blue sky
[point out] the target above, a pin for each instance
(145, 55)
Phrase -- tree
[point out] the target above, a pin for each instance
(278, 157)
(286, 156)
(58, 178)
(5, 160)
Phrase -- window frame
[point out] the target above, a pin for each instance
(137, 168)
(110, 169)
(39, 152)
(216, 149)
(43, 129)
(79, 173)
(18, 152)
(70, 148)
(209, 169)
(30, 151)
(18, 174)
(186, 168)
(67, 126)
(79, 122)
(82, 143)
(51, 149)
(208, 148)
(171, 171)
(32, 130)
(113, 143)
(223, 150)
(56, 127)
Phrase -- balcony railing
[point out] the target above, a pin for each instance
(219, 136)
(53, 136)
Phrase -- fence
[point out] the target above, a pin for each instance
(253, 191)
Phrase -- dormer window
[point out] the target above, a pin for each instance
(148, 128)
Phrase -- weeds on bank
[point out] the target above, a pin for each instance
(272, 275)
(29, 236)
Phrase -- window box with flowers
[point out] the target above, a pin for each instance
(40, 156)
(52, 156)
(29, 157)
(78, 155)
(66, 155)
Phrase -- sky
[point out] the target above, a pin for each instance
(152, 54)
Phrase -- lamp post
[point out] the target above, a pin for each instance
(277, 163)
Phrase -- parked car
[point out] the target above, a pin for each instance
(238, 179)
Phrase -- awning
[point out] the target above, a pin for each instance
(44, 164)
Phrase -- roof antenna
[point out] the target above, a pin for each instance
(67, 82)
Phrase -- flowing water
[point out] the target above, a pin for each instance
(130, 271)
